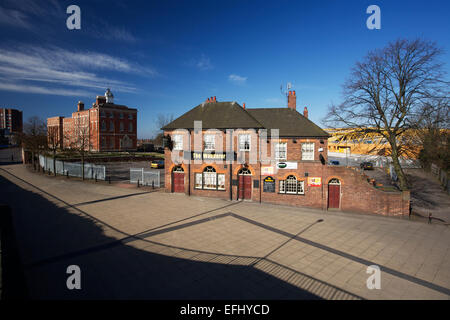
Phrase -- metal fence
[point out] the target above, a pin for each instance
(73, 169)
(145, 178)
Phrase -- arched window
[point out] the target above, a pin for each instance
(178, 169)
(209, 179)
(292, 186)
(334, 181)
(245, 171)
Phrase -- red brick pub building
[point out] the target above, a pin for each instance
(223, 150)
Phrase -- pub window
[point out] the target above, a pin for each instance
(130, 127)
(244, 142)
(103, 125)
(308, 151)
(177, 142)
(209, 142)
(130, 116)
(281, 151)
(111, 126)
(102, 114)
(292, 186)
(209, 179)
(111, 115)
(121, 115)
(198, 181)
(121, 126)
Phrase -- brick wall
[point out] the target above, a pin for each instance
(356, 193)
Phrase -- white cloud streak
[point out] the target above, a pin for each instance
(237, 79)
(56, 66)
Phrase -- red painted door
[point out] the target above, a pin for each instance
(178, 182)
(333, 195)
(241, 187)
(245, 187)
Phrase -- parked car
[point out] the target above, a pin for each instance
(366, 165)
(334, 162)
(157, 164)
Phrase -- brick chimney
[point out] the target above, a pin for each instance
(305, 112)
(100, 100)
(243, 105)
(292, 100)
(80, 106)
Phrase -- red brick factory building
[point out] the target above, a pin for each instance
(108, 126)
(234, 154)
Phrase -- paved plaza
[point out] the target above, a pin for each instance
(137, 243)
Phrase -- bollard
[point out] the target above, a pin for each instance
(95, 177)
(429, 217)
(153, 184)
(67, 174)
(138, 183)
(109, 180)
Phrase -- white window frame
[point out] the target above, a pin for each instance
(277, 151)
(177, 141)
(291, 185)
(243, 139)
(209, 142)
(308, 150)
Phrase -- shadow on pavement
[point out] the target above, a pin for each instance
(44, 230)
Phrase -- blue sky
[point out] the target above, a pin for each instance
(169, 56)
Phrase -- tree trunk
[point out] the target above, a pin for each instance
(82, 166)
(54, 162)
(403, 184)
(33, 162)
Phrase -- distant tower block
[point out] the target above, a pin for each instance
(109, 96)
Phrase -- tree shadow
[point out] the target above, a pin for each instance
(50, 237)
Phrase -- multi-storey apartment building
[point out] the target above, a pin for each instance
(105, 126)
(11, 120)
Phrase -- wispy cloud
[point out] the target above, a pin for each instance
(14, 18)
(237, 79)
(204, 63)
(53, 67)
(103, 30)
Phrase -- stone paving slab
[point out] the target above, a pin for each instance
(153, 245)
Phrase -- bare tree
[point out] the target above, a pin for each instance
(161, 121)
(387, 92)
(54, 143)
(78, 139)
(33, 137)
(433, 134)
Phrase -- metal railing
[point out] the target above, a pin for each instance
(73, 169)
(145, 178)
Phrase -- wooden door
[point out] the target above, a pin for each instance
(247, 187)
(178, 181)
(334, 194)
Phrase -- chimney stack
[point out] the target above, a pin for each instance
(305, 112)
(292, 100)
(100, 100)
(80, 106)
